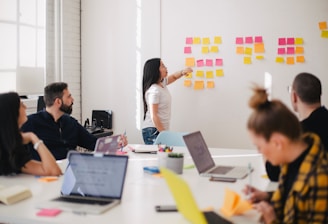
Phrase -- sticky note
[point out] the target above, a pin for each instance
(247, 60)
(280, 60)
(199, 85)
(209, 62)
(219, 73)
(324, 34)
(281, 50)
(299, 50)
(323, 25)
(290, 61)
(187, 50)
(196, 40)
(217, 40)
(259, 57)
(189, 40)
(189, 76)
(205, 50)
(290, 50)
(190, 62)
(47, 179)
(206, 40)
(259, 48)
(240, 50)
(248, 40)
(290, 41)
(218, 62)
(200, 63)
(282, 41)
(214, 49)
(209, 75)
(298, 40)
(187, 83)
(210, 85)
(258, 39)
(200, 73)
(233, 204)
(239, 40)
(248, 50)
(300, 59)
(48, 212)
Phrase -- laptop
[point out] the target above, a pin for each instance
(108, 144)
(204, 162)
(186, 203)
(92, 183)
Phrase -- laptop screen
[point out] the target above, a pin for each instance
(199, 151)
(94, 175)
(108, 144)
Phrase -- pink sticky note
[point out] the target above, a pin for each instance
(248, 40)
(48, 212)
(189, 40)
(200, 63)
(209, 62)
(258, 39)
(187, 50)
(290, 50)
(239, 40)
(281, 50)
(282, 41)
(218, 62)
(290, 41)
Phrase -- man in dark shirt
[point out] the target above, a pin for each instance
(59, 131)
(306, 101)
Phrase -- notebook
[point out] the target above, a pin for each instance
(92, 183)
(204, 162)
(108, 144)
(145, 149)
(186, 203)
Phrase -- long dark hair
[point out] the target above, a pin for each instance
(151, 75)
(10, 137)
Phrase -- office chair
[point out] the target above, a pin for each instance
(41, 105)
(170, 138)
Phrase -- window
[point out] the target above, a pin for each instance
(22, 45)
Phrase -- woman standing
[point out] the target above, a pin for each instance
(14, 154)
(157, 98)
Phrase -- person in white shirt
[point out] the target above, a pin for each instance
(157, 98)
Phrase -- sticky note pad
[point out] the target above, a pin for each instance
(323, 25)
(217, 40)
(47, 179)
(48, 212)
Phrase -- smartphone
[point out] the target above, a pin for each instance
(166, 208)
(223, 179)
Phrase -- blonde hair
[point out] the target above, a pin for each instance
(273, 116)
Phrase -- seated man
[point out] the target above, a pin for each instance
(306, 101)
(59, 131)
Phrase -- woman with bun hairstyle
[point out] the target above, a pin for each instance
(14, 154)
(302, 194)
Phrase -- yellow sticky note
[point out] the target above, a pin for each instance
(217, 40)
(196, 40)
(209, 75)
(189, 76)
(323, 25)
(247, 60)
(290, 61)
(190, 62)
(200, 73)
(214, 49)
(219, 73)
(298, 40)
(248, 50)
(324, 34)
(187, 83)
(240, 50)
(206, 40)
(299, 50)
(259, 57)
(205, 50)
(210, 84)
(300, 59)
(233, 204)
(259, 48)
(280, 60)
(199, 85)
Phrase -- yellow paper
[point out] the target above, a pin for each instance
(259, 48)
(299, 50)
(189, 76)
(280, 60)
(209, 75)
(298, 40)
(187, 83)
(196, 40)
(300, 59)
(200, 73)
(247, 60)
(190, 62)
(233, 204)
(259, 57)
(240, 50)
(199, 85)
(290, 61)
(324, 34)
(210, 84)
(248, 50)
(205, 50)
(323, 25)
(206, 40)
(214, 49)
(217, 40)
(219, 73)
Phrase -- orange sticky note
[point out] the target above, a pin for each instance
(210, 84)
(47, 179)
(259, 48)
(199, 85)
(187, 83)
(233, 204)
(323, 25)
(240, 50)
(190, 62)
(299, 50)
(290, 61)
(300, 59)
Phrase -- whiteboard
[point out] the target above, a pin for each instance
(221, 113)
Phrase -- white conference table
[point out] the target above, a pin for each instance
(142, 192)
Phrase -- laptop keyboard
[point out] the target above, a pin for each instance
(214, 218)
(221, 169)
(83, 201)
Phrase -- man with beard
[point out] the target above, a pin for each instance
(59, 131)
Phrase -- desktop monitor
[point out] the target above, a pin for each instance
(103, 118)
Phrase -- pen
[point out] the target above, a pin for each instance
(122, 146)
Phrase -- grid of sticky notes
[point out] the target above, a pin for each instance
(207, 65)
(323, 28)
(250, 47)
(290, 50)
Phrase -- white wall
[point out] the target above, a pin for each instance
(112, 59)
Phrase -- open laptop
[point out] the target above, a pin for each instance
(92, 183)
(107, 144)
(186, 203)
(205, 163)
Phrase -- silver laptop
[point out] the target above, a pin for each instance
(204, 161)
(107, 144)
(92, 183)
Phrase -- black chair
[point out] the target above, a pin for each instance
(41, 105)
